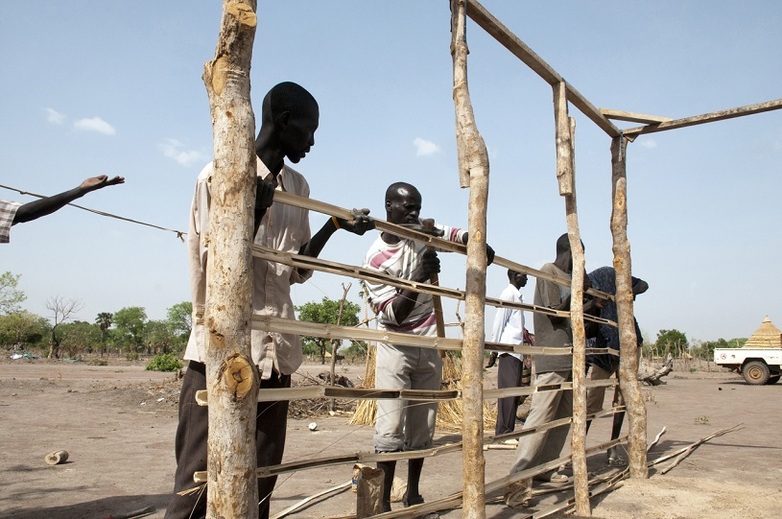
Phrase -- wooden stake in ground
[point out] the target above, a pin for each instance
(232, 488)
(565, 130)
(628, 345)
(473, 171)
(336, 342)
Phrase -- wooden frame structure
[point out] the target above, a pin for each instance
(231, 384)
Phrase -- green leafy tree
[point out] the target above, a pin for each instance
(326, 312)
(22, 330)
(159, 337)
(79, 337)
(10, 295)
(671, 341)
(104, 320)
(62, 310)
(129, 323)
(180, 320)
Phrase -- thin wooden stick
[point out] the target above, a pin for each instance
(304, 502)
(695, 445)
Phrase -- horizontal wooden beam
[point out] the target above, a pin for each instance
(341, 269)
(272, 324)
(405, 232)
(633, 117)
(345, 393)
(710, 117)
(518, 48)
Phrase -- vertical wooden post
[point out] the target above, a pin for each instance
(336, 343)
(232, 487)
(565, 132)
(473, 171)
(628, 360)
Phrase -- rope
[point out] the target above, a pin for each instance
(179, 234)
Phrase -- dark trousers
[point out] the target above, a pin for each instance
(508, 375)
(190, 445)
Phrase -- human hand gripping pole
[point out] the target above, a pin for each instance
(426, 226)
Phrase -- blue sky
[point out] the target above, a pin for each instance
(94, 87)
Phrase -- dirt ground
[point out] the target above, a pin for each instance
(117, 422)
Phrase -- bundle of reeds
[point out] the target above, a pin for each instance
(367, 409)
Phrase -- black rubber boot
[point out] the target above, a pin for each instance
(388, 467)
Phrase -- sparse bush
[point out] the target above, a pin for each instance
(164, 362)
(131, 356)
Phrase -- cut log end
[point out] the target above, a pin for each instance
(56, 457)
(238, 375)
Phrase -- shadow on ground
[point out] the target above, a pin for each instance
(98, 509)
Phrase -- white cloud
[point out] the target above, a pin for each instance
(173, 149)
(53, 116)
(94, 124)
(648, 143)
(424, 147)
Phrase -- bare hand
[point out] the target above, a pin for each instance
(101, 181)
(429, 266)
(360, 223)
(264, 195)
(489, 250)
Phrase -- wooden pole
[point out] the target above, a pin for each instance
(232, 488)
(473, 171)
(776, 104)
(565, 131)
(336, 342)
(518, 48)
(628, 346)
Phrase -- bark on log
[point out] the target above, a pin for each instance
(473, 171)
(232, 489)
(565, 130)
(628, 359)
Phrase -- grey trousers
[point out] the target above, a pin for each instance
(540, 447)
(401, 424)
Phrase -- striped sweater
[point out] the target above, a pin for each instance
(400, 260)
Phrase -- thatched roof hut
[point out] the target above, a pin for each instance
(767, 336)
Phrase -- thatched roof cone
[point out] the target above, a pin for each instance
(767, 336)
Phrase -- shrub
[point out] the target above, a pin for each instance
(164, 362)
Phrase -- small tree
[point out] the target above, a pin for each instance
(10, 296)
(104, 320)
(180, 321)
(21, 329)
(671, 341)
(326, 312)
(130, 322)
(79, 337)
(159, 337)
(62, 310)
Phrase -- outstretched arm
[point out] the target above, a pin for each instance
(45, 206)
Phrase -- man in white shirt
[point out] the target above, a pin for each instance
(509, 329)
